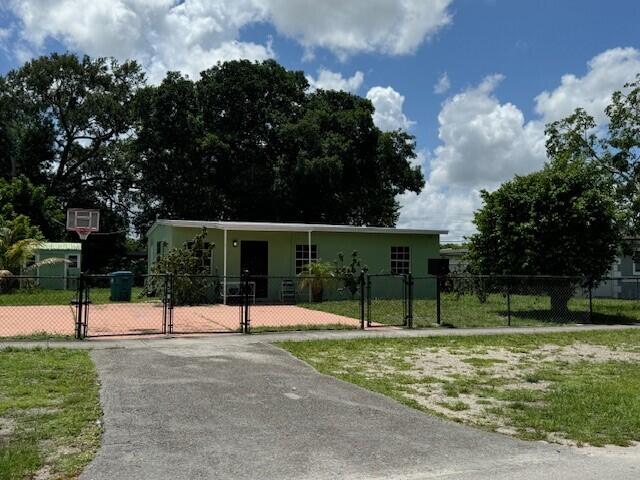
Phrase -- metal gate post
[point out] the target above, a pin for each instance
(171, 300)
(362, 299)
(590, 300)
(79, 301)
(409, 299)
(438, 299)
(508, 303)
(368, 300)
(85, 311)
(245, 297)
(165, 303)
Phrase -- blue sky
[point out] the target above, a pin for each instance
(499, 56)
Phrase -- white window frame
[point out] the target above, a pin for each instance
(303, 250)
(397, 261)
(633, 262)
(36, 259)
(67, 266)
(163, 249)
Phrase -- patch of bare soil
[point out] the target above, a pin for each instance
(498, 369)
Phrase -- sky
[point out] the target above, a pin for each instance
(474, 81)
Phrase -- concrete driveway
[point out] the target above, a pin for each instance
(238, 410)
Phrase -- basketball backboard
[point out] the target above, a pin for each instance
(83, 221)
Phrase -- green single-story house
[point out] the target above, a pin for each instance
(283, 249)
(57, 276)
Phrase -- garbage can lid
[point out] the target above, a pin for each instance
(122, 273)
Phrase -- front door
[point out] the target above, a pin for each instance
(254, 257)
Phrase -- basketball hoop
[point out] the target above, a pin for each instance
(83, 233)
(83, 221)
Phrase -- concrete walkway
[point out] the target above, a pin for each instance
(170, 341)
(235, 407)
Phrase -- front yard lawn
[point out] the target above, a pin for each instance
(574, 388)
(465, 311)
(49, 413)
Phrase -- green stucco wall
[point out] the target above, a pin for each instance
(374, 250)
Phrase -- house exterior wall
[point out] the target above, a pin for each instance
(374, 250)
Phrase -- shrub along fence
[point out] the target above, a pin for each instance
(88, 305)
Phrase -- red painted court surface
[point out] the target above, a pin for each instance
(146, 318)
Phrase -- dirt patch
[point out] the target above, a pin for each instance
(7, 427)
(473, 386)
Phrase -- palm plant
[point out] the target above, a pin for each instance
(316, 276)
(16, 248)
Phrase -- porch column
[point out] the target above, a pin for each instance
(224, 270)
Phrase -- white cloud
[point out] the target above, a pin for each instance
(191, 35)
(388, 113)
(162, 34)
(442, 85)
(328, 80)
(606, 72)
(485, 142)
(347, 27)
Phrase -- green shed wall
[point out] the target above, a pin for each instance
(53, 276)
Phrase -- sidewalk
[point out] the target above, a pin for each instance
(160, 341)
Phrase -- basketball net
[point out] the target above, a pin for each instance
(83, 233)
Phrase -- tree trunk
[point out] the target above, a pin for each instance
(560, 295)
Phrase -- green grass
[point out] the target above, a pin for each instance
(465, 311)
(583, 401)
(49, 413)
(303, 327)
(41, 296)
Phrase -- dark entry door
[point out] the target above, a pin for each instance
(254, 256)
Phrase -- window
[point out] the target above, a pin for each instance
(29, 263)
(302, 256)
(636, 262)
(206, 258)
(400, 260)
(161, 248)
(74, 261)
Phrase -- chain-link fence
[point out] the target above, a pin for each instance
(100, 305)
(304, 302)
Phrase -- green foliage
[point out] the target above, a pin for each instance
(18, 242)
(318, 276)
(349, 274)
(191, 280)
(614, 150)
(19, 196)
(559, 221)
(248, 141)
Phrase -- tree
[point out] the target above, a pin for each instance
(20, 197)
(317, 276)
(248, 141)
(192, 284)
(349, 274)
(18, 242)
(85, 103)
(615, 150)
(561, 221)
(340, 168)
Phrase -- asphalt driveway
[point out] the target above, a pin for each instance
(251, 411)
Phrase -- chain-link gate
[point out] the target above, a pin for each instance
(388, 300)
